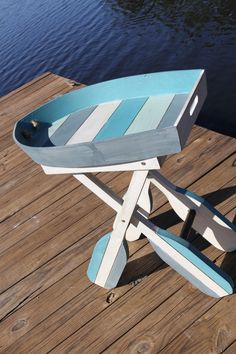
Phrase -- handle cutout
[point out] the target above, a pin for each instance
(194, 105)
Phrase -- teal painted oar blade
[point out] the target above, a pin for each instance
(118, 265)
(216, 284)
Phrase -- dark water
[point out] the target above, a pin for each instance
(96, 40)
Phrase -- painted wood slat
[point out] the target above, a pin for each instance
(56, 125)
(121, 119)
(94, 123)
(69, 126)
(150, 115)
(173, 111)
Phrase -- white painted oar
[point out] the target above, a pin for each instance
(208, 221)
(113, 261)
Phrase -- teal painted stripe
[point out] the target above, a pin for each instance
(120, 120)
(207, 205)
(173, 111)
(70, 126)
(151, 113)
(198, 259)
(97, 257)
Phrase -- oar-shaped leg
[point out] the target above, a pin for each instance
(109, 256)
(208, 222)
(145, 206)
(176, 252)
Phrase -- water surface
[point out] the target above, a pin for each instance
(96, 40)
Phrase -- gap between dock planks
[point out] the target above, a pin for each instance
(210, 151)
(231, 348)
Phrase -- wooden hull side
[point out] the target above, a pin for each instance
(127, 149)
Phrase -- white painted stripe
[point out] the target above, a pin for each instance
(90, 128)
(56, 125)
(151, 114)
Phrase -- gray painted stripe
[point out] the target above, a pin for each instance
(173, 111)
(56, 125)
(70, 126)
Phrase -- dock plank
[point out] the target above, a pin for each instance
(49, 225)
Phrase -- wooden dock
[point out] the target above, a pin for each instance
(49, 226)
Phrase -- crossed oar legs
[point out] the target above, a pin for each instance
(111, 251)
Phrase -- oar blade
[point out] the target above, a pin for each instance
(192, 264)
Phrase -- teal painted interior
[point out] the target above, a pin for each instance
(198, 259)
(176, 82)
(121, 119)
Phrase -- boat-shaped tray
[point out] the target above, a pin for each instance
(115, 122)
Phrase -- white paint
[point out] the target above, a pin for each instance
(206, 223)
(194, 105)
(133, 232)
(93, 124)
(123, 219)
(143, 165)
(188, 100)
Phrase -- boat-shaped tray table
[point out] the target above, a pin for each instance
(131, 124)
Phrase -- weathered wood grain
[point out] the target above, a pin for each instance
(231, 349)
